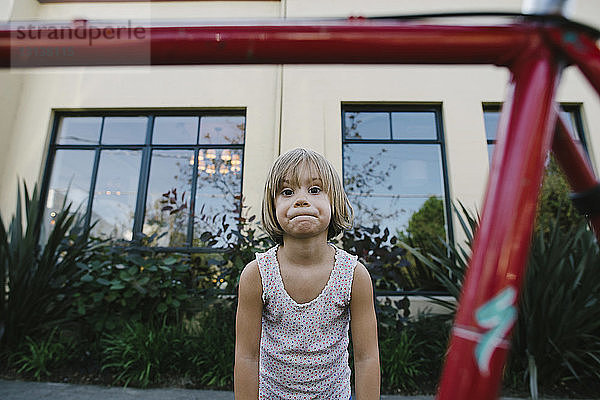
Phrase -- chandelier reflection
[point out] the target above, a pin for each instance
(212, 161)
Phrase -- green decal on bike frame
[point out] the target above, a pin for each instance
(498, 315)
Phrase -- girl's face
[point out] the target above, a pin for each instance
(303, 210)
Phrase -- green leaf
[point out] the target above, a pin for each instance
(170, 261)
(161, 308)
(117, 286)
(143, 281)
(87, 278)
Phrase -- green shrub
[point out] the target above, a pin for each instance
(142, 354)
(412, 353)
(389, 267)
(38, 357)
(213, 335)
(37, 278)
(121, 284)
(401, 366)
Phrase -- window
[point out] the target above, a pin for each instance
(395, 169)
(165, 174)
(491, 117)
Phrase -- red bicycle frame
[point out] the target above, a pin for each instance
(534, 50)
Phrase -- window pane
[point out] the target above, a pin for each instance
(175, 130)
(367, 125)
(167, 203)
(71, 178)
(387, 184)
(491, 148)
(79, 130)
(490, 119)
(115, 193)
(219, 183)
(124, 130)
(414, 125)
(222, 130)
(569, 118)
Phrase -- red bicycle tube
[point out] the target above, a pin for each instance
(320, 42)
(574, 164)
(487, 310)
(578, 49)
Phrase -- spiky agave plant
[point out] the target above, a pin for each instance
(36, 277)
(558, 331)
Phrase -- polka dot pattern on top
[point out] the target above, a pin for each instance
(304, 347)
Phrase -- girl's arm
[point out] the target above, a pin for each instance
(247, 333)
(364, 336)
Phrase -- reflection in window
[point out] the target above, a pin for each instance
(115, 194)
(217, 190)
(69, 183)
(367, 125)
(570, 114)
(175, 130)
(149, 173)
(124, 130)
(389, 175)
(83, 130)
(394, 175)
(222, 130)
(167, 201)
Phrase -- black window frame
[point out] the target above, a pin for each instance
(439, 140)
(146, 149)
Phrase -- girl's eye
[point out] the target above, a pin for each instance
(315, 190)
(287, 192)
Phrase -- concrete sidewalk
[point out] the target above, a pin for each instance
(19, 390)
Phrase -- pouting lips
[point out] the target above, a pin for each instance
(303, 215)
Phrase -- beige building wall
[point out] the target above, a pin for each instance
(287, 106)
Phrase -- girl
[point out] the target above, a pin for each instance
(297, 300)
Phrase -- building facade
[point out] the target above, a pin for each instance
(138, 147)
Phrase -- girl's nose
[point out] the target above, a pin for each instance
(301, 202)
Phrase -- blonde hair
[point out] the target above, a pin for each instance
(288, 167)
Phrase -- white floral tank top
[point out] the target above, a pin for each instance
(304, 347)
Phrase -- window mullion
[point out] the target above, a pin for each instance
(140, 205)
(191, 213)
(445, 177)
(88, 212)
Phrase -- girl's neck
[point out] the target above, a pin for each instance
(307, 251)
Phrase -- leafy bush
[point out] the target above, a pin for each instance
(37, 279)
(387, 263)
(199, 350)
(224, 268)
(122, 284)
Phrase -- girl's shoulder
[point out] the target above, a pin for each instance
(266, 257)
(343, 256)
